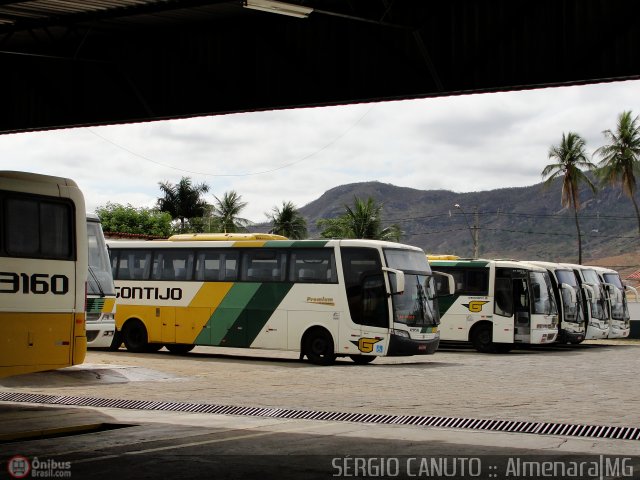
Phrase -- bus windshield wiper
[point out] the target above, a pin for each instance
(95, 279)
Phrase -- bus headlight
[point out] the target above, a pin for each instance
(400, 333)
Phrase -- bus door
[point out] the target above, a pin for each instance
(509, 314)
(369, 303)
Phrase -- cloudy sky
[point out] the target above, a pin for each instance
(463, 144)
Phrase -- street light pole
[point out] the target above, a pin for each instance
(473, 231)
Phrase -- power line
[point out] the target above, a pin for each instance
(184, 170)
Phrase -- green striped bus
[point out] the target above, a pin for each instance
(323, 298)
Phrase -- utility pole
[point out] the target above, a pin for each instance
(474, 231)
(476, 234)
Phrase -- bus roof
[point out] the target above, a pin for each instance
(483, 262)
(225, 237)
(442, 257)
(318, 243)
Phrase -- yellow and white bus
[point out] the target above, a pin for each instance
(43, 271)
(101, 292)
(496, 304)
(324, 298)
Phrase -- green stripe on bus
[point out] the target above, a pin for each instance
(444, 303)
(256, 314)
(227, 313)
(295, 243)
(242, 314)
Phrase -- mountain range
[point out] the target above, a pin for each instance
(519, 223)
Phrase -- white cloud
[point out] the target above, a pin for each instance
(464, 143)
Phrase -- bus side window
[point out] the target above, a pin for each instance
(313, 266)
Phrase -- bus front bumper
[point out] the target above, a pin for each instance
(619, 331)
(403, 346)
(567, 336)
(100, 334)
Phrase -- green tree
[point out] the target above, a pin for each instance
(183, 200)
(119, 218)
(226, 211)
(570, 156)
(288, 221)
(620, 158)
(363, 220)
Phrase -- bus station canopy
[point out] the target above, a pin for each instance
(96, 62)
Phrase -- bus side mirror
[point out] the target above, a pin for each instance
(592, 294)
(571, 290)
(396, 280)
(631, 289)
(445, 280)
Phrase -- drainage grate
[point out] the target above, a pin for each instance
(512, 426)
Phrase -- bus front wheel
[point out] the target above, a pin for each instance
(362, 359)
(482, 338)
(319, 347)
(135, 336)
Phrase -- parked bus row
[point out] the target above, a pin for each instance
(324, 298)
(498, 304)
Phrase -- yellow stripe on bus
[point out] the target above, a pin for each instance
(211, 294)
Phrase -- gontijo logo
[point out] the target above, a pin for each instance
(475, 306)
(365, 345)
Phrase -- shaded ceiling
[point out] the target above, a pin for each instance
(90, 62)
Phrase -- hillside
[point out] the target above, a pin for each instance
(521, 223)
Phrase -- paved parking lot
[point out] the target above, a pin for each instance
(592, 383)
(589, 384)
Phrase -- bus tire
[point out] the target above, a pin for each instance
(179, 348)
(362, 359)
(135, 337)
(116, 343)
(318, 347)
(502, 347)
(481, 336)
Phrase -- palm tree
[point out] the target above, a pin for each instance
(288, 221)
(362, 221)
(226, 211)
(570, 157)
(182, 201)
(620, 159)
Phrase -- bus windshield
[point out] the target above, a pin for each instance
(571, 309)
(416, 306)
(543, 301)
(598, 309)
(619, 310)
(100, 281)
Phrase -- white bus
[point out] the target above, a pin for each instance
(101, 292)
(594, 306)
(571, 327)
(497, 304)
(324, 298)
(619, 318)
(43, 271)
